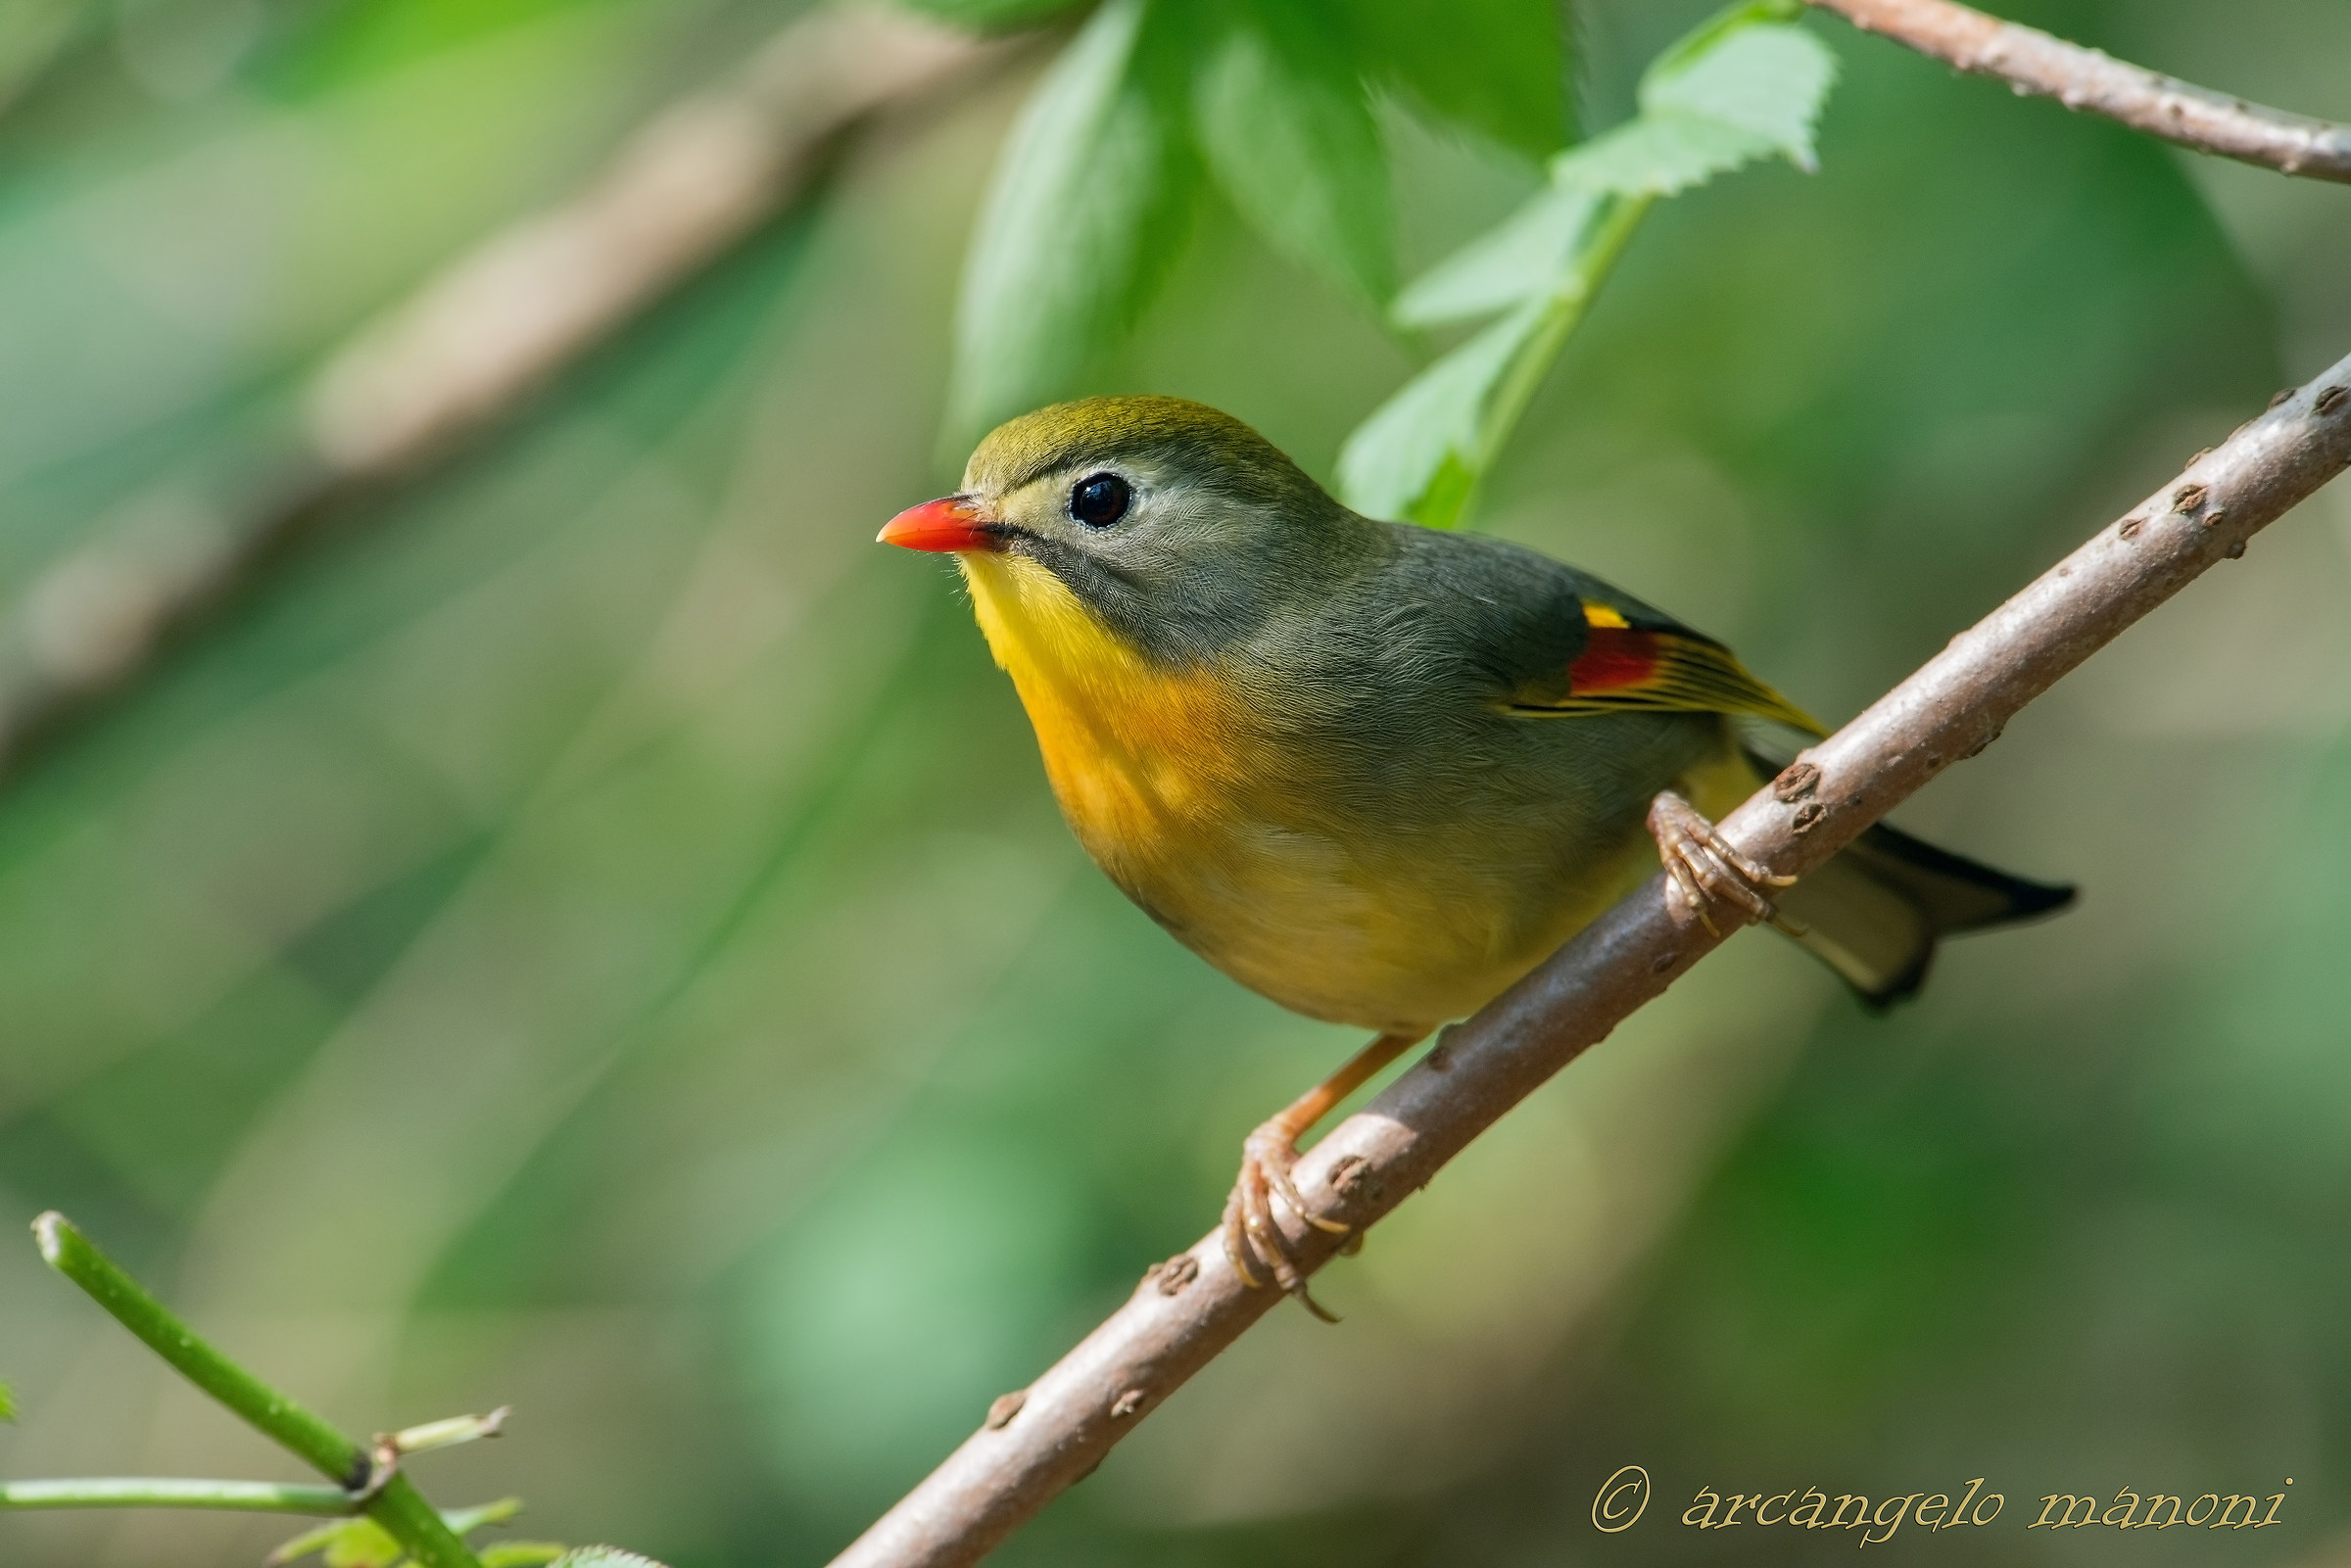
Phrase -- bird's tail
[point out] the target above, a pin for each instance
(1875, 912)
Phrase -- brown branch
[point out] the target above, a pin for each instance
(469, 345)
(2087, 79)
(1187, 1309)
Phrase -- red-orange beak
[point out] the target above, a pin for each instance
(949, 523)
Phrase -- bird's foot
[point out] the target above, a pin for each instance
(1705, 871)
(1253, 1237)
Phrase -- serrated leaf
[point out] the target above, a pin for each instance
(1744, 85)
(1769, 79)
(1398, 461)
(604, 1558)
(1518, 257)
(1657, 155)
(1086, 207)
(1289, 133)
(1498, 67)
(1733, 16)
(991, 15)
(1754, 90)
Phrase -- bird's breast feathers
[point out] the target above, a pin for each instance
(1142, 757)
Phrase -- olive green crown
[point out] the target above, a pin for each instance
(1195, 441)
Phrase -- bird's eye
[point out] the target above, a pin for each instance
(1100, 500)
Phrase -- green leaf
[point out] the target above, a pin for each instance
(1755, 91)
(1498, 67)
(8, 1404)
(465, 1521)
(1088, 204)
(991, 15)
(521, 1553)
(604, 1558)
(1769, 79)
(1525, 255)
(1657, 155)
(1288, 132)
(362, 1543)
(1731, 18)
(342, 1544)
(1744, 85)
(1418, 456)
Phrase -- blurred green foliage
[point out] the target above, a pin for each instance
(1273, 101)
(590, 930)
(1742, 85)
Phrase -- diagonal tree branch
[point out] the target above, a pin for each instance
(1037, 1442)
(2090, 80)
(696, 179)
(470, 344)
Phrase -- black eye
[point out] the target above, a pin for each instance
(1100, 500)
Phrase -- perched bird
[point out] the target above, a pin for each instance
(1373, 771)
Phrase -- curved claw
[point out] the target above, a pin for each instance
(1252, 1233)
(1706, 871)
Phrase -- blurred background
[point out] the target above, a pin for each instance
(579, 925)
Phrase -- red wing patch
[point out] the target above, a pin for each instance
(1613, 658)
(1624, 668)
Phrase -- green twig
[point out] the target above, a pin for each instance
(1596, 256)
(396, 1506)
(155, 1492)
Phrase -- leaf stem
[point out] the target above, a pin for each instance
(1596, 256)
(397, 1505)
(157, 1492)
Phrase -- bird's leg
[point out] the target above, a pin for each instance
(1251, 1233)
(1703, 869)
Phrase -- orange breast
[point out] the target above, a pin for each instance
(1150, 766)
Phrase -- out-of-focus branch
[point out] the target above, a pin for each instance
(1037, 1442)
(2088, 79)
(465, 348)
(473, 342)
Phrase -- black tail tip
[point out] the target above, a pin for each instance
(2034, 899)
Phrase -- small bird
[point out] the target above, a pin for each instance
(1373, 771)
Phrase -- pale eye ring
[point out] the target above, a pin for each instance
(1100, 500)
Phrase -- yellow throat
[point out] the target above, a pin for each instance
(1145, 761)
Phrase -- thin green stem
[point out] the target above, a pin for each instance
(296, 1429)
(157, 1492)
(1595, 260)
(399, 1507)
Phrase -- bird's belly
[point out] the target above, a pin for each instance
(1407, 948)
(1393, 936)
(1395, 919)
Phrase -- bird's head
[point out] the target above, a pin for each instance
(1177, 527)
